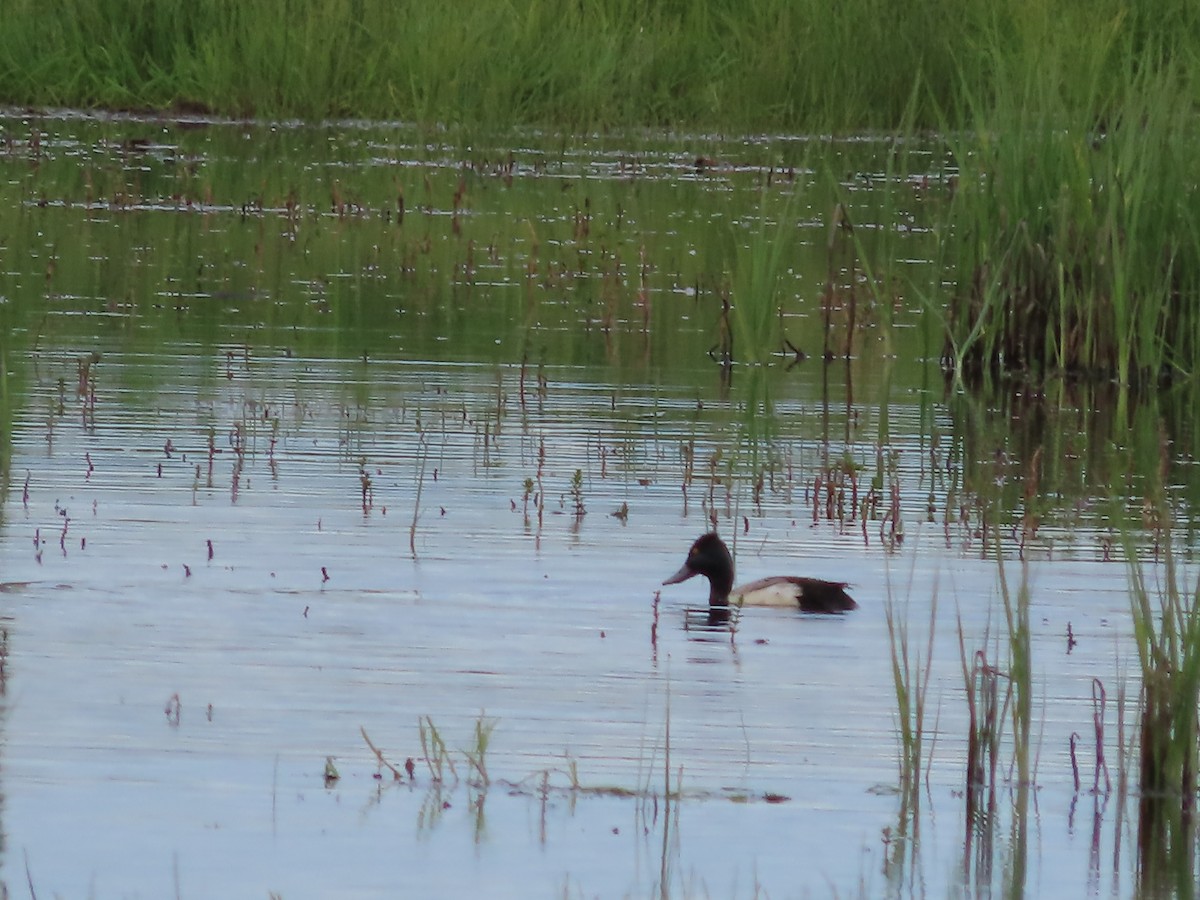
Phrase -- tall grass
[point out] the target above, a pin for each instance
(910, 678)
(1020, 673)
(758, 267)
(1074, 225)
(6, 416)
(490, 61)
(751, 323)
(436, 754)
(998, 697)
(1167, 630)
(763, 64)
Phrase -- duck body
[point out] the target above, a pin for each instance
(806, 594)
(710, 557)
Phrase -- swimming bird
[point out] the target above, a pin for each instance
(711, 558)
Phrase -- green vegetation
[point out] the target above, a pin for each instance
(749, 324)
(749, 328)
(5, 426)
(492, 61)
(1167, 630)
(436, 754)
(1071, 227)
(1074, 233)
(476, 755)
(911, 670)
(764, 64)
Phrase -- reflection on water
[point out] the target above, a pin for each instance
(306, 438)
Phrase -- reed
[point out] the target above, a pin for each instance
(380, 758)
(750, 328)
(999, 699)
(757, 269)
(435, 753)
(578, 507)
(476, 754)
(862, 282)
(1167, 632)
(419, 476)
(599, 63)
(6, 417)
(764, 65)
(1020, 671)
(1073, 225)
(986, 710)
(910, 678)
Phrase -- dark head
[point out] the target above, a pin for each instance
(709, 557)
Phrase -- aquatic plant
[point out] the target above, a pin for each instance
(435, 753)
(1099, 705)
(368, 488)
(379, 757)
(985, 716)
(863, 264)
(757, 269)
(419, 476)
(1087, 263)
(527, 493)
(6, 414)
(911, 672)
(578, 507)
(1167, 631)
(1020, 671)
(3, 662)
(476, 755)
(591, 64)
(331, 774)
(438, 758)
(910, 679)
(774, 64)
(998, 697)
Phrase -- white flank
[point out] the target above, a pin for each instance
(777, 591)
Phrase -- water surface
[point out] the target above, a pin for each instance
(285, 464)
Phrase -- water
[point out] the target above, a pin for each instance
(286, 501)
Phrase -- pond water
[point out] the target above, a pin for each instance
(316, 432)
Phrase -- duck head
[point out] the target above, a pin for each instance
(709, 557)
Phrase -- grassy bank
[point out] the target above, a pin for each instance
(733, 64)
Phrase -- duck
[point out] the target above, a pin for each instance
(710, 557)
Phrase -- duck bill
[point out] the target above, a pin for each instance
(682, 575)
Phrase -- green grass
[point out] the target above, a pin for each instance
(476, 754)
(749, 324)
(746, 64)
(1019, 674)
(910, 676)
(1167, 631)
(436, 754)
(6, 416)
(1073, 228)
(754, 315)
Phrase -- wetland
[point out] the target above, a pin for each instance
(343, 464)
